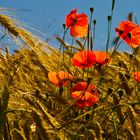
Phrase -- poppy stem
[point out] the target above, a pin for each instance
(115, 126)
(109, 31)
(116, 47)
(89, 27)
(64, 35)
(110, 25)
(72, 42)
(60, 90)
(83, 71)
(93, 36)
(136, 52)
(88, 36)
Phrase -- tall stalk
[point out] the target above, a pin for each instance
(110, 25)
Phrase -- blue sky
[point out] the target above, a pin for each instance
(48, 16)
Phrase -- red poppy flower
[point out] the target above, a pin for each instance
(60, 78)
(83, 59)
(101, 57)
(86, 94)
(129, 32)
(78, 23)
(136, 76)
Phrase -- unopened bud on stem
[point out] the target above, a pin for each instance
(91, 9)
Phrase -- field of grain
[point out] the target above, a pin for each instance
(34, 106)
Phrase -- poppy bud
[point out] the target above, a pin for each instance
(94, 22)
(133, 105)
(89, 80)
(120, 92)
(91, 9)
(64, 26)
(120, 64)
(109, 18)
(109, 90)
(37, 92)
(127, 76)
(87, 116)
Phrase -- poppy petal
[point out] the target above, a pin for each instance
(136, 76)
(52, 76)
(78, 23)
(102, 57)
(70, 18)
(83, 59)
(129, 32)
(86, 94)
(79, 31)
(59, 79)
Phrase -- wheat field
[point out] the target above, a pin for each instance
(32, 108)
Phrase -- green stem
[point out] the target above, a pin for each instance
(65, 31)
(116, 47)
(70, 53)
(89, 27)
(92, 41)
(115, 127)
(109, 26)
